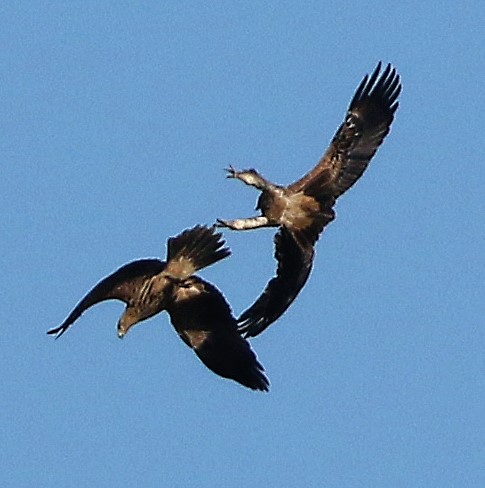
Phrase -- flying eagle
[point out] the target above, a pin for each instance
(302, 209)
(198, 311)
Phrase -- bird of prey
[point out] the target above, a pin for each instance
(302, 209)
(198, 311)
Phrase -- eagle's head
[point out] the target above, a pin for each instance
(129, 318)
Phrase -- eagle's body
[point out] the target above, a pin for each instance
(303, 209)
(197, 309)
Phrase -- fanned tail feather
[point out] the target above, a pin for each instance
(195, 249)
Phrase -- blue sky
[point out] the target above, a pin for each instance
(117, 121)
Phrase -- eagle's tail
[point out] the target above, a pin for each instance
(194, 249)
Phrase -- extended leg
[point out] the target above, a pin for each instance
(243, 224)
(249, 176)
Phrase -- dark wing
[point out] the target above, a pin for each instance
(367, 122)
(294, 253)
(203, 319)
(119, 285)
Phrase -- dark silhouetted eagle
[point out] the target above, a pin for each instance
(302, 209)
(198, 311)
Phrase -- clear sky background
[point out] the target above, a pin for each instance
(117, 120)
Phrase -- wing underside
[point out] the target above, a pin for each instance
(119, 285)
(203, 319)
(294, 254)
(367, 122)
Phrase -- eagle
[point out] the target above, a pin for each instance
(303, 209)
(198, 311)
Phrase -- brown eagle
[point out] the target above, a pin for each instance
(302, 209)
(198, 311)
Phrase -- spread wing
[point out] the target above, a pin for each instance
(203, 319)
(119, 285)
(367, 122)
(294, 253)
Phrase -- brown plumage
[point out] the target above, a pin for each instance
(303, 209)
(198, 311)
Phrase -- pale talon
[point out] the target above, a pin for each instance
(232, 173)
(221, 223)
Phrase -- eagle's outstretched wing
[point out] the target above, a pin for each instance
(203, 319)
(119, 285)
(294, 253)
(367, 122)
